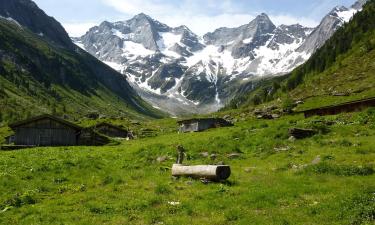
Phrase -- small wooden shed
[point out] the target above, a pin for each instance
(45, 130)
(111, 130)
(48, 130)
(202, 124)
(341, 108)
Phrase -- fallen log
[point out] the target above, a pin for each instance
(209, 172)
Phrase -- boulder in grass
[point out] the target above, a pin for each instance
(265, 116)
(204, 154)
(162, 159)
(234, 155)
(300, 133)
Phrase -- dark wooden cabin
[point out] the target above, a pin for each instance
(341, 108)
(48, 130)
(111, 130)
(197, 125)
(45, 130)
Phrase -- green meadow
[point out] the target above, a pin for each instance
(325, 179)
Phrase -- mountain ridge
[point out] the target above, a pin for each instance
(44, 74)
(202, 71)
(342, 70)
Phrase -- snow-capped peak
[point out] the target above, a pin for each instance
(178, 71)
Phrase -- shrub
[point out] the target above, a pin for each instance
(19, 200)
(345, 143)
(107, 180)
(288, 105)
(321, 128)
(162, 189)
(359, 208)
(232, 215)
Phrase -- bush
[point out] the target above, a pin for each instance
(321, 128)
(359, 208)
(19, 200)
(288, 105)
(162, 189)
(345, 143)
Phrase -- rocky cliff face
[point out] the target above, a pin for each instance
(27, 14)
(178, 71)
(330, 23)
(41, 48)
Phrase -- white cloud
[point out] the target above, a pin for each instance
(202, 24)
(200, 16)
(288, 20)
(78, 29)
(137, 6)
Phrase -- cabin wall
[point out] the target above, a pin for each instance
(205, 125)
(45, 132)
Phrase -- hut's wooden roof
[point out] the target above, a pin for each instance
(372, 100)
(199, 120)
(45, 116)
(109, 125)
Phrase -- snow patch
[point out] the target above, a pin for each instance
(278, 61)
(80, 44)
(11, 20)
(168, 40)
(211, 55)
(135, 49)
(116, 66)
(347, 15)
(247, 41)
(118, 33)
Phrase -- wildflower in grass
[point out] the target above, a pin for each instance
(174, 203)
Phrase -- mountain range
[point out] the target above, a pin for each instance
(182, 73)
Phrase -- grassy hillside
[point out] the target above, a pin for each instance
(342, 70)
(326, 179)
(38, 77)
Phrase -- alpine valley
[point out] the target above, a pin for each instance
(183, 73)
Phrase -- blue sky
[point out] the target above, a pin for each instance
(77, 16)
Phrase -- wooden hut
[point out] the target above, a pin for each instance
(48, 130)
(202, 124)
(45, 130)
(111, 130)
(341, 108)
